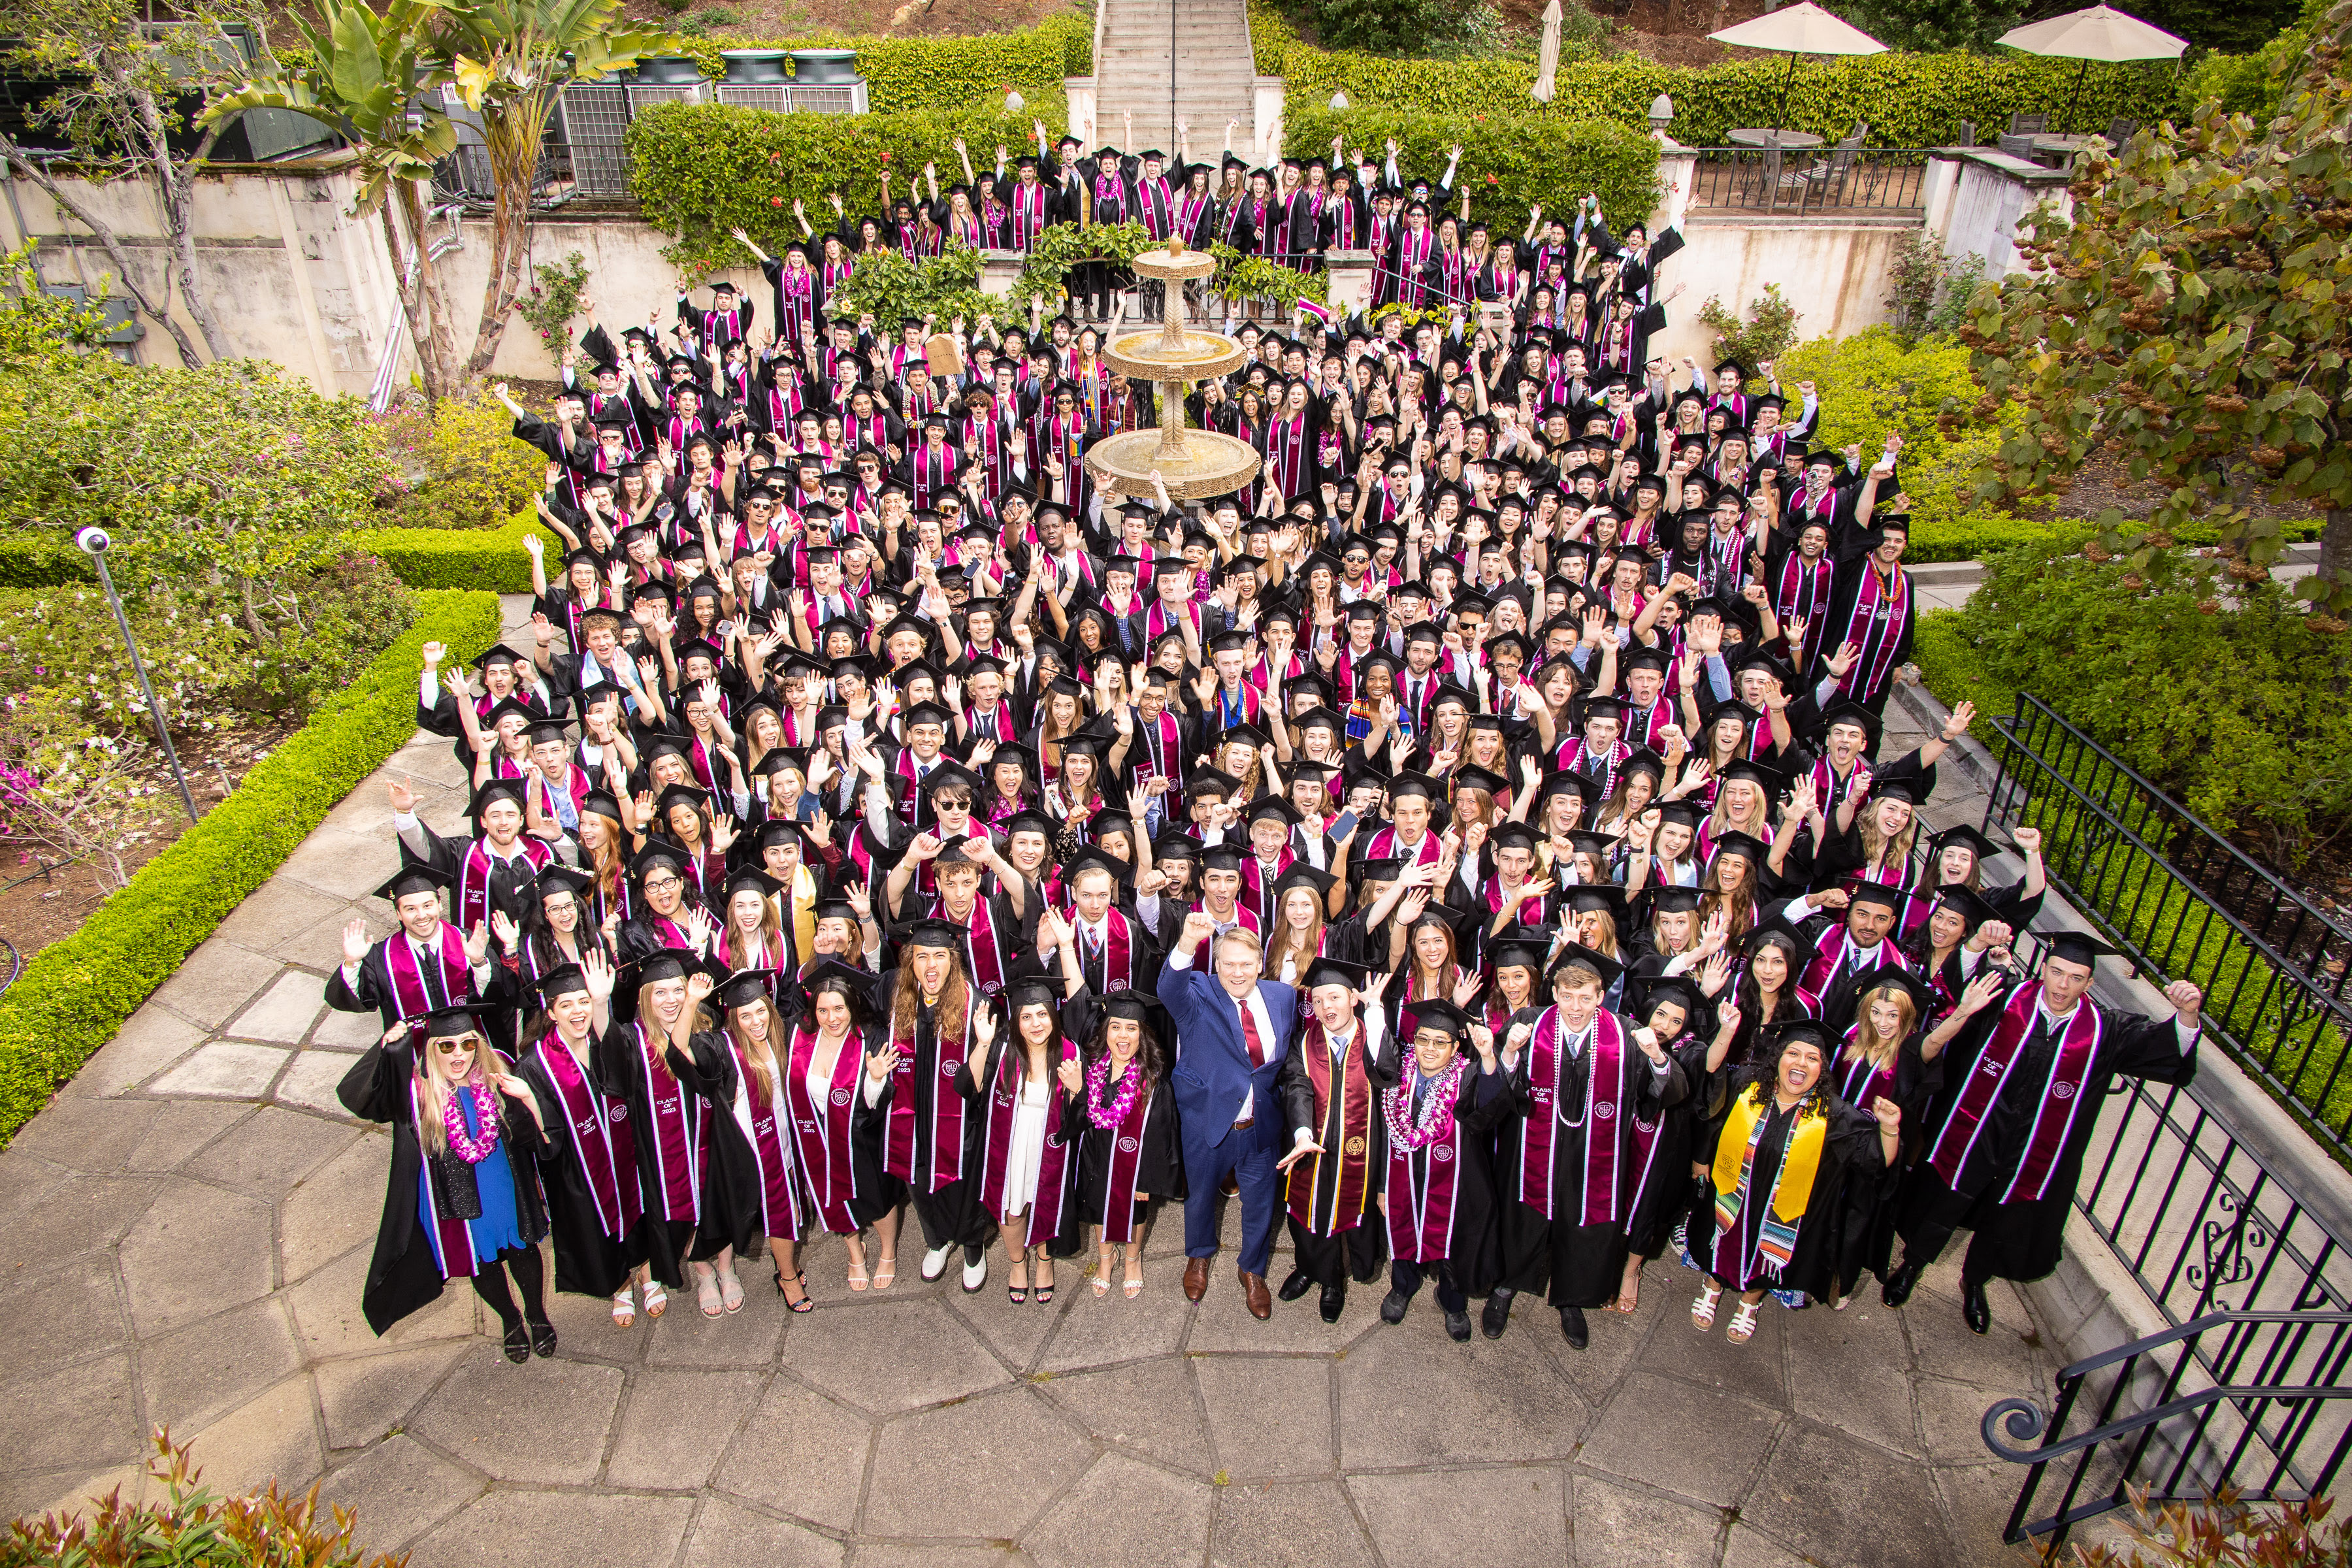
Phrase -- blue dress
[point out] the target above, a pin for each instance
(499, 1229)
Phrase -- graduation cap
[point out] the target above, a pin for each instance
(932, 931)
(1675, 988)
(1173, 846)
(750, 878)
(1606, 898)
(1094, 857)
(556, 878)
(458, 1018)
(1221, 858)
(1608, 969)
(1334, 971)
(1519, 946)
(1894, 977)
(1962, 834)
(1967, 903)
(1777, 930)
(561, 981)
(854, 986)
(745, 987)
(1303, 875)
(491, 793)
(1470, 775)
(416, 876)
(501, 653)
(512, 707)
(1810, 1030)
(1440, 1018)
(1745, 844)
(656, 855)
(1274, 808)
(1868, 892)
(1412, 786)
(2080, 947)
(1673, 900)
(1030, 821)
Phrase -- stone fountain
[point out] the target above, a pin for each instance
(1193, 463)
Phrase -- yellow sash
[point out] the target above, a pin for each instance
(1804, 1153)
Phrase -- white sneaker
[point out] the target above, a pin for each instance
(975, 1274)
(935, 1263)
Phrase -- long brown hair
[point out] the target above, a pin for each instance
(1308, 943)
(761, 1055)
(955, 999)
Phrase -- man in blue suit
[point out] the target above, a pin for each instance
(1233, 1031)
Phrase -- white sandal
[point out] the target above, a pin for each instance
(1743, 1323)
(656, 1298)
(1703, 1308)
(624, 1308)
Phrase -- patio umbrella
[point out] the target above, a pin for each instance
(2100, 32)
(1548, 60)
(1801, 29)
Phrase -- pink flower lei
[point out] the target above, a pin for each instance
(1437, 1114)
(465, 1146)
(1130, 1085)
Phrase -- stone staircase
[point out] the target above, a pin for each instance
(1196, 68)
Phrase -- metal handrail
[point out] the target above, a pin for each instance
(2274, 1420)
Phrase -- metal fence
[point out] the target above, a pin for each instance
(2252, 1401)
(2186, 903)
(1841, 182)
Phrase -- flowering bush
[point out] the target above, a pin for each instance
(551, 302)
(458, 466)
(70, 793)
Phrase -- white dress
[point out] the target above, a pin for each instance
(1028, 1150)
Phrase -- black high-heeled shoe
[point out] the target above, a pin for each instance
(804, 1304)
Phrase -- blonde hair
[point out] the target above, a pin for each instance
(761, 1055)
(955, 999)
(432, 1129)
(1877, 849)
(1868, 1043)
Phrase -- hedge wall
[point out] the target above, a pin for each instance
(490, 558)
(1510, 162)
(76, 994)
(1908, 101)
(701, 169)
(904, 75)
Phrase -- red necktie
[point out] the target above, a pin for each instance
(1249, 1036)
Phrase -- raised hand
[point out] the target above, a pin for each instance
(597, 970)
(355, 941)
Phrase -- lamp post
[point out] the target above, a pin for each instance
(93, 542)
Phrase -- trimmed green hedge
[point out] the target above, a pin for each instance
(76, 994)
(490, 558)
(1978, 534)
(699, 169)
(42, 559)
(1908, 101)
(1509, 162)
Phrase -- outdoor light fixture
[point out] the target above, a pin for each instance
(93, 542)
(1662, 112)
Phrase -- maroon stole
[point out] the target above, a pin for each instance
(1125, 1167)
(1420, 1188)
(1258, 888)
(780, 1197)
(414, 992)
(2059, 1096)
(1384, 846)
(1353, 1183)
(474, 878)
(677, 1139)
(996, 1145)
(1859, 1083)
(1577, 756)
(452, 1242)
(1606, 1081)
(1645, 1146)
(1830, 789)
(1161, 753)
(1028, 213)
(904, 766)
(994, 725)
(604, 1141)
(984, 948)
(1830, 949)
(821, 1132)
(1156, 623)
(1876, 625)
(944, 1135)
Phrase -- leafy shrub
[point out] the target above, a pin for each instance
(552, 301)
(1929, 291)
(460, 466)
(932, 74)
(1511, 159)
(77, 992)
(1391, 25)
(2221, 693)
(1770, 331)
(192, 1525)
(2226, 1533)
(475, 558)
(70, 793)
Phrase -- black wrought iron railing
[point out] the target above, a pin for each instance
(1823, 181)
(2186, 904)
(2256, 1402)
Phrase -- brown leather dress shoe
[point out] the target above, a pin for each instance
(1196, 1278)
(1261, 1301)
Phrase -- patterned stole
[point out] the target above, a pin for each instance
(942, 1132)
(1880, 612)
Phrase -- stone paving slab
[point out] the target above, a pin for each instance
(184, 1232)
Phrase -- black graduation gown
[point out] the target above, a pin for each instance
(1063, 1238)
(402, 1277)
(1330, 1258)
(733, 1213)
(1850, 1150)
(1583, 1264)
(374, 994)
(1475, 1252)
(1158, 1161)
(1666, 1193)
(620, 1071)
(2024, 1240)
(1865, 1235)
(587, 1261)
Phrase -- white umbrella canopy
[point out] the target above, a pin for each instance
(1548, 57)
(1801, 30)
(2100, 32)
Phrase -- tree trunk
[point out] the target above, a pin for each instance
(2335, 549)
(422, 300)
(175, 184)
(116, 251)
(513, 139)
